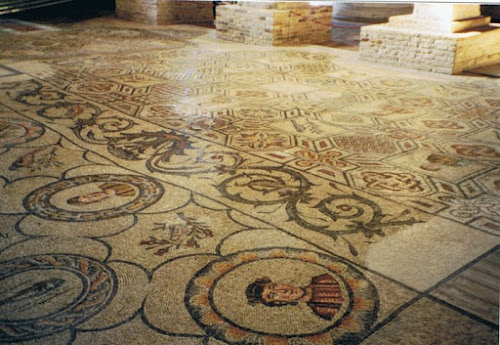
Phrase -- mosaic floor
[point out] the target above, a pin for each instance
(159, 186)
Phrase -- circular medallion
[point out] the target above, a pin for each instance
(282, 296)
(94, 197)
(44, 294)
(15, 132)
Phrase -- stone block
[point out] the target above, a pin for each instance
(436, 25)
(369, 12)
(280, 23)
(446, 12)
(445, 18)
(444, 53)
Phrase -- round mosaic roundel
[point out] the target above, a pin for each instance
(15, 132)
(282, 296)
(49, 293)
(94, 197)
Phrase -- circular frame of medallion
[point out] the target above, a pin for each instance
(39, 202)
(31, 131)
(99, 284)
(362, 296)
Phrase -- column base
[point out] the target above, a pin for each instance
(368, 13)
(274, 24)
(348, 18)
(346, 31)
(448, 53)
(416, 23)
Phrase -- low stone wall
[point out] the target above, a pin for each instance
(443, 53)
(274, 23)
(164, 12)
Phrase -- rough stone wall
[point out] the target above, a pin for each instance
(274, 23)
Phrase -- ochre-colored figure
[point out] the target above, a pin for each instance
(476, 151)
(388, 109)
(436, 161)
(108, 190)
(323, 295)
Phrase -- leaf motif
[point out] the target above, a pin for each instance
(353, 250)
(162, 251)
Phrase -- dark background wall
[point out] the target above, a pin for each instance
(491, 10)
(74, 9)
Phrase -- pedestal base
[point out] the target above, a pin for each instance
(348, 18)
(368, 12)
(274, 24)
(449, 53)
(424, 24)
